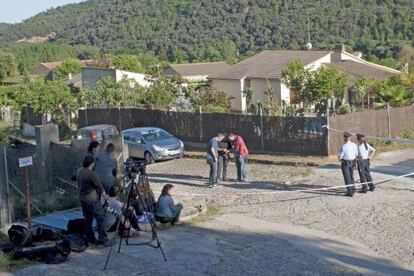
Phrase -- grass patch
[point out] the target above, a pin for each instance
(384, 146)
(210, 212)
(3, 124)
(6, 261)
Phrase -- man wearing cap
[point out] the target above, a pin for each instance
(348, 154)
(365, 152)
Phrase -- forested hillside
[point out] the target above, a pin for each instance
(180, 30)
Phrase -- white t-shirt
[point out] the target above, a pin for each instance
(112, 211)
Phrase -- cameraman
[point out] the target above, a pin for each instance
(90, 192)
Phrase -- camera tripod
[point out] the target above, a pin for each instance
(134, 182)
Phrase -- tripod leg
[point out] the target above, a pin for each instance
(107, 258)
(132, 185)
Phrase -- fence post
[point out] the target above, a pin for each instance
(261, 128)
(86, 117)
(389, 120)
(119, 119)
(201, 124)
(328, 140)
(6, 174)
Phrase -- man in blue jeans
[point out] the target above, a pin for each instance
(213, 158)
(240, 155)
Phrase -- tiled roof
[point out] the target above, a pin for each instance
(359, 70)
(268, 64)
(199, 69)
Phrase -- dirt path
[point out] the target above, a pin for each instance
(261, 233)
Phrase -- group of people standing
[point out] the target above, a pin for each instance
(99, 197)
(351, 155)
(218, 156)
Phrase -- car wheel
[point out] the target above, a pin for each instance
(148, 157)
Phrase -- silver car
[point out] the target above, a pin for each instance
(152, 144)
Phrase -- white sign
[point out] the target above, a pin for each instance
(25, 162)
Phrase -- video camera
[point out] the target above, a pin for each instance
(135, 166)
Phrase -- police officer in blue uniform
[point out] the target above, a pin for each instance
(347, 154)
(365, 152)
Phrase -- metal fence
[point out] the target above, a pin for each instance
(51, 172)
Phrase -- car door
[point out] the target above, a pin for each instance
(128, 141)
(139, 145)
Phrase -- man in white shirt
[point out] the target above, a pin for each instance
(365, 152)
(348, 154)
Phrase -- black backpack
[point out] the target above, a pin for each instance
(76, 226)
(20, 235)
(77, 242)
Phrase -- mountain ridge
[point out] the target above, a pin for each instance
(178, 30)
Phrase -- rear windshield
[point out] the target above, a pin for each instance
(86, 134)
(155, 135)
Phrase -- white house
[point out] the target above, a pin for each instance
(263, 72)
(90, 76)
(195, 71)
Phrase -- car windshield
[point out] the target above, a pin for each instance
(155, 135)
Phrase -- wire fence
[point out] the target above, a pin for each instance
(49, 177)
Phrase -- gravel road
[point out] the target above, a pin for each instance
(261, 231)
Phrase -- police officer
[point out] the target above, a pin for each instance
(365, 152)
(348, 154)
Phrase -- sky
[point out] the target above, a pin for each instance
(13, 11)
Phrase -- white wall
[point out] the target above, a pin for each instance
(196, 78)
(260, 86)
(234, 89)
(137, 77)
(317, 63)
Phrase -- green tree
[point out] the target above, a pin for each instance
(392, 95)
(313, 85)
(363, 89)
(129, 63)
(52, 97)
(211, 100)
(68, 66)
(7, 66)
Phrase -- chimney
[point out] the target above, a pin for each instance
(340, 48)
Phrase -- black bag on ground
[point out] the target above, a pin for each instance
(77, 242)
(45, 234)
(51, 254)
(76, 226)
(20, 235)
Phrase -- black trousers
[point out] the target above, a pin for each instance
(222, 166)
(365, 174)
(347, 168)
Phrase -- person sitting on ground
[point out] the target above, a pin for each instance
(166, 211)
(90, 192)
(114, 215)
(106, 167)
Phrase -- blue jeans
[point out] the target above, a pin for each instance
(241, 167)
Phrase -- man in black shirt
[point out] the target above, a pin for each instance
(90, 192)
(225, 146)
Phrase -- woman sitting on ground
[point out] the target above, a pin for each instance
(166, 211)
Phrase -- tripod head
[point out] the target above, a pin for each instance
(135, 166)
